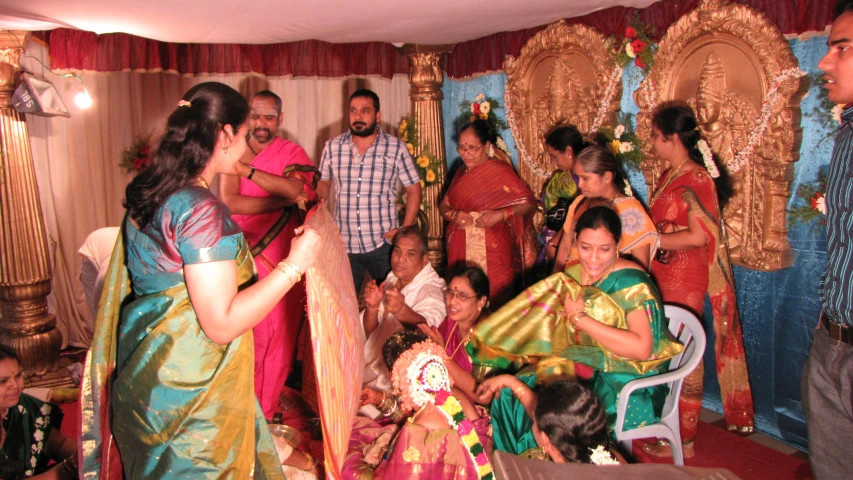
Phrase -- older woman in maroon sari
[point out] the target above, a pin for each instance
(490, 213)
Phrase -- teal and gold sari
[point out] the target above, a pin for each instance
(529, 336)
(157, 392)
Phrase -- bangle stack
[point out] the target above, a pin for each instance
(287, 267)
(69, 466)
(390, 408)
(311, 462)
(451, 215)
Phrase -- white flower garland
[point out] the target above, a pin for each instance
(708, 158)
(609, 93)
(737, 164)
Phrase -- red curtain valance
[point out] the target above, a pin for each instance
(77, 50)
(488, 53)
(114, 52)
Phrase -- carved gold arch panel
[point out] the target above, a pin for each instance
(729, 61)
(560, 77)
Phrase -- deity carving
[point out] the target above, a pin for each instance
(563, 102)
(731, 64)
(726, 119)
(557, 79)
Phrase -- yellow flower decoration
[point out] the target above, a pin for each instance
(484, 116)
(614, 146)
(422, 184)
(473, 117)
(411, 148)
(430, 176)
(423, 161)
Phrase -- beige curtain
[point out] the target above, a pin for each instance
(76, 159)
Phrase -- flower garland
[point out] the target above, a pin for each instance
(135, 158)
(420, 377)
(609, 93)
(737, 164)
(708, 158)
(812, 197)
(426, 163)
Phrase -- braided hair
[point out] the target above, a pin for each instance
(573, 419)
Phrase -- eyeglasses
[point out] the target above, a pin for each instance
(466, 149)
(449, 294)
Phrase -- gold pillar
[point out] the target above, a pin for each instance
(425, 80)
(25, 271)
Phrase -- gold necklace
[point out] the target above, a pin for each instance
(463, 341)
(202, 181)
(589, 281)
(673, 174)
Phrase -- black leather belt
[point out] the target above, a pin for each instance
(836, 331)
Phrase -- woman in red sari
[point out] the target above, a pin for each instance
(490, 211)
(694, 260)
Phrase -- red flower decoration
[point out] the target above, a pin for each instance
(630, 32)
(640, 63)
(144, 151)
(476, 107)
(441, 397)
(638, 46)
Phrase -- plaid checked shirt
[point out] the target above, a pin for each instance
(366, 187)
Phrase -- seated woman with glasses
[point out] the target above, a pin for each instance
(467, 301)
(490, 212)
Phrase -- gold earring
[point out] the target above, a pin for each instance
(225, 149)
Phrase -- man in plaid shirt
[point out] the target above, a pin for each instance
(365, 164)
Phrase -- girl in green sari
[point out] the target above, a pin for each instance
(168, 390)
(601, 321)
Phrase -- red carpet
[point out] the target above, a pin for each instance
(745, 458)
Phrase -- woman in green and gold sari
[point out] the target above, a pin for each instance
(601, 322)
(168, 390)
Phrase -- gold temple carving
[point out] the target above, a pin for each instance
(559, 78)
(731, 64)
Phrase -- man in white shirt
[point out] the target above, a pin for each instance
(411, 294)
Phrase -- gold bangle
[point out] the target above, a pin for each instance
(311, 462)
(519, 392)
(286, 266)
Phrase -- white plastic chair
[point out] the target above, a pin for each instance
(692, 336)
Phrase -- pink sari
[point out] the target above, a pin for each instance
(269, 235)
(507, 250)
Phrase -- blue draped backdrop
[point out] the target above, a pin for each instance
(778, 309)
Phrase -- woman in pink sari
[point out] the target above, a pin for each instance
(467, 301)
(490, 211)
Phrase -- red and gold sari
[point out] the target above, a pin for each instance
(686, 278)
(507, 249)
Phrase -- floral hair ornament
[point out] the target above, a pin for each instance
(708, 158)
(628, 191)
(601, 456)
(185, 103)
(421, 378)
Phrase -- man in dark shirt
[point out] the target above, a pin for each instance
(828, 373)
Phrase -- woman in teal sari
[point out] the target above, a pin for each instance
(602, 321)
(170, 374)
